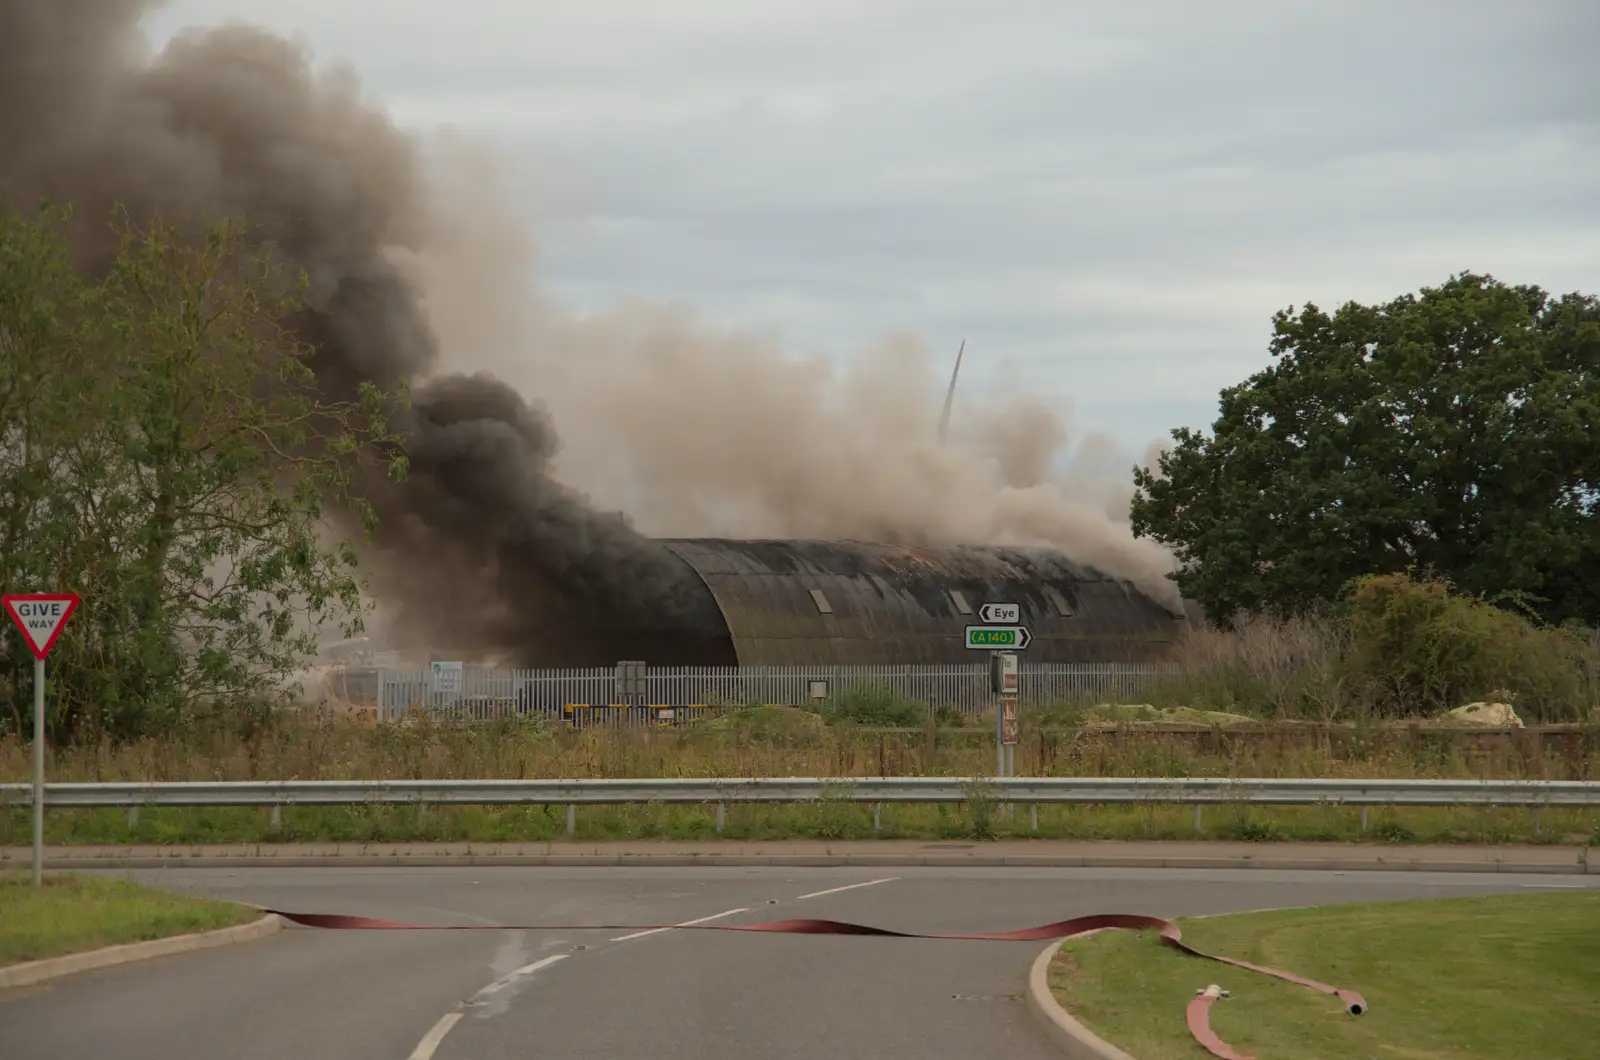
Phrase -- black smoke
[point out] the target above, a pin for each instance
(481, 548)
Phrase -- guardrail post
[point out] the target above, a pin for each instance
(877, 816)
(133, 816)
(1197, 818)
(721, 817)
(1033, 816)
(277, 815)
(572, 818)
(1363, 820)
(1536, 820)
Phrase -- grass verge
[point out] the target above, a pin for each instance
(1497, 978)
(785, 744)
(830, 819)
(71, 913)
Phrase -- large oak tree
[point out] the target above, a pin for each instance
(1455, 432)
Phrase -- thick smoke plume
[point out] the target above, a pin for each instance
(419, 272)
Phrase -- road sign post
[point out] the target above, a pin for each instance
(1002, 634)
(1003, 680)
(40, 618)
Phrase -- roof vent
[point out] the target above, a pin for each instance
(1058, 601)
(823, 607)
(960, 601)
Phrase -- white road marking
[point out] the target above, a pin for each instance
(527, 969)
(435, 1035)
(847, 887)
(686, 923)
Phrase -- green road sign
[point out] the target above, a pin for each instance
(992, 638)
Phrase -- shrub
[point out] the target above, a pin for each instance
(768, 723)
(1422, 649)
(874, 704)
(1397, 646)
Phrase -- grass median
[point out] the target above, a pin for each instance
(1504, 977)
(72, 913)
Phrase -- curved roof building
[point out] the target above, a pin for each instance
(848, 602)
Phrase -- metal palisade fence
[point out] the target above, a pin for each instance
(673, 695)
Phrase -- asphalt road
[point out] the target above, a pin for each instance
(585, 995)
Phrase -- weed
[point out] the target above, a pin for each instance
(874, 704)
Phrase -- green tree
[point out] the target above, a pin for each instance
(46, 315)
(1455, 434)
(182, 474)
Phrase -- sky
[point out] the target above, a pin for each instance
(1107, 202)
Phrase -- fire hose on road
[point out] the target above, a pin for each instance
(1197, 1013)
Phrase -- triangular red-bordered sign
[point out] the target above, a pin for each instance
(40, 617)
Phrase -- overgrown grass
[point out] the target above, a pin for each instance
(1496, 978)
(764, 741)
(74, 913)
(780, 742)
(1396, 647)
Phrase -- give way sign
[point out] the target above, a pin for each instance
(41, 617)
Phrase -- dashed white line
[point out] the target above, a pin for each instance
(686, 923)
(431, 1041)
(527, 969)
(847, 887)
(435, 1035)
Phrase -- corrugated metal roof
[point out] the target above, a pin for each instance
(892, 604)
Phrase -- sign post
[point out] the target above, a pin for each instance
(1003, 684)
(40, 617)
(1002, 635)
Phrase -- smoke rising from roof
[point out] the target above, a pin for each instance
(421, 271)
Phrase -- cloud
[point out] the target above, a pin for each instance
(1107, 201)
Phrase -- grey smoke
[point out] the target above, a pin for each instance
(486, 546)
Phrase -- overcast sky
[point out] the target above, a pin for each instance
(1108, 200)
